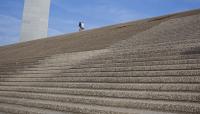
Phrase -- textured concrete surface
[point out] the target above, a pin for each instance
(35, 20)
(144, 67)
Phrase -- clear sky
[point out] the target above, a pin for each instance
(65, 14)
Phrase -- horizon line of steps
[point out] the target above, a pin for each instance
(173, 30)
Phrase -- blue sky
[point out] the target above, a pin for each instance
(65, 14)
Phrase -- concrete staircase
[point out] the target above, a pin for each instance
(161, 76)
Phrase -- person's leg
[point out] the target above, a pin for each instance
(82, 28)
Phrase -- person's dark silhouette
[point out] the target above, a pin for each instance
(81, 26)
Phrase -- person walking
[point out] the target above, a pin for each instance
(81, 26)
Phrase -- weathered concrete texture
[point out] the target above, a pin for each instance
(35, 20)
(153, 70)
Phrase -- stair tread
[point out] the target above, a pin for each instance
(19, 109)
(129, 96)
(139, 59)
(156, 95)
(85, 107)
(120, 65)
(4, 88)
(188, 72)
(113, 68)
(117, 86)
(112, 79)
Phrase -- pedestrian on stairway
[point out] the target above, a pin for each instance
(81, 26)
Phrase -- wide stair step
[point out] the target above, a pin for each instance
(127, 68)
(113, 69)
(7, 108)
(126, 73)
(97, 109)
(114, 86)
(183, 59)
(145, 95)
(119, 79)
